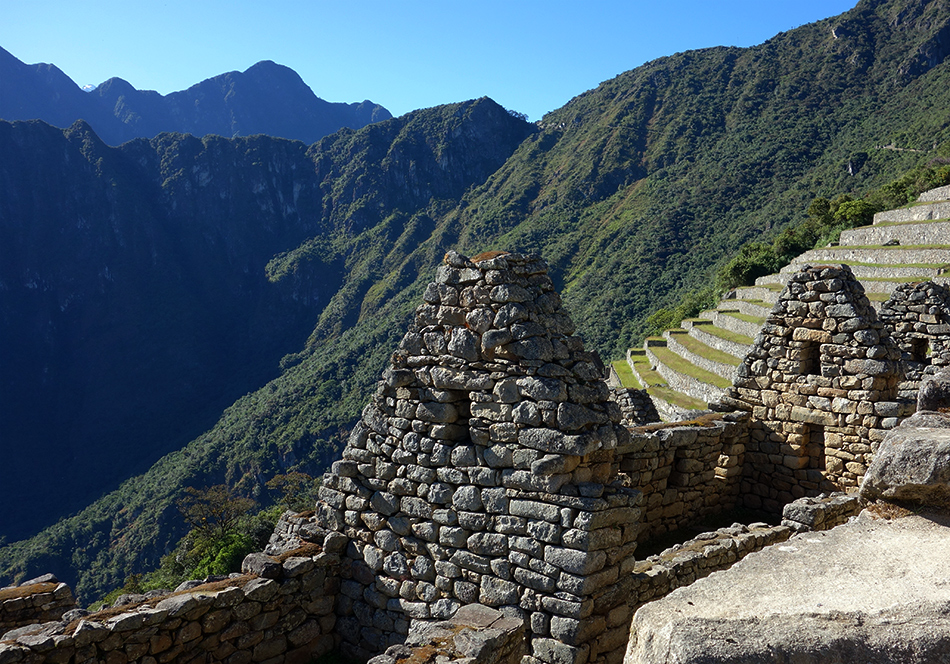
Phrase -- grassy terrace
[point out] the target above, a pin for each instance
(682, 366)
(906, 223)
(627, 379)
(648, 376)
(675, 398)
(757, 320)
(697, 347)
(896, 247)
(896, 280)
(727, 335)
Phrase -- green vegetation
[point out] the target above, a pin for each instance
(699, 348)
(826, 220)
(627, 379)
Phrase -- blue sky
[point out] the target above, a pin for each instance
(527, 55)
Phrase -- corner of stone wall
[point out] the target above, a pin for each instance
(38, 600)
(685, 470)
(823, 512)
(282, 613)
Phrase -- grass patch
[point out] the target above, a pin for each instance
(675, 398)
(727, 335)
(942, 220)
(625, 373)
(682, 366)
(755, 320)
(896, 247)
(648, 377)
(896, 280)
(703, 350)
(27, 591)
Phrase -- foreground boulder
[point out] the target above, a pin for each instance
(868, 591)
(913, 463)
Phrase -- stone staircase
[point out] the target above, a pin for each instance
(688, 367)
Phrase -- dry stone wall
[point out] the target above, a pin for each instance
(43, 599)
(917, 316)
(821, 385)
(636, 407)
(484, 470)
(476, 634)
(681, 565)
(285, 616)
(686, 471)
(822, 512)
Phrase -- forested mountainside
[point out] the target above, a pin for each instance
(267, 98)
(633, 191)
(144, 288)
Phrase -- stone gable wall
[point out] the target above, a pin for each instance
(485, 470)
(918, 318)
(821, 386)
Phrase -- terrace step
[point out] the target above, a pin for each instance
(737, 345)
(755, 308)
(935, 255)
(670, 404)
(921, 211)
(764, 293)
(701, 355)
(734, 321)
(683, 376)
(912, 233)
(863, 271)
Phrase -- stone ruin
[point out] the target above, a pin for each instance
(484, 471)
(821, 384)
(488, 504)
(918, 318)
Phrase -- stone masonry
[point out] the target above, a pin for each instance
(484, 471)
(918, 318)
(821, 384)
(636, 406)
(42, 599)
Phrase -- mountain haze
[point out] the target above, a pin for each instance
(634, 191)
(267, 98)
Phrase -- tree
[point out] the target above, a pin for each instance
(214, 512)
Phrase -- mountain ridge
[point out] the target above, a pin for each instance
(267, 98)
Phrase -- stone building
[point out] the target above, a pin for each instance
(917, 315)
(484, 470)
(821, 385)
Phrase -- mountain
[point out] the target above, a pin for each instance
(149, 286)
(265, 99)
(633, 191)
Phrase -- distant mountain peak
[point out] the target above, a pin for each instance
(267, 98)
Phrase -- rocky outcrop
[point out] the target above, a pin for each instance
(868, 591)
(913, 463)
